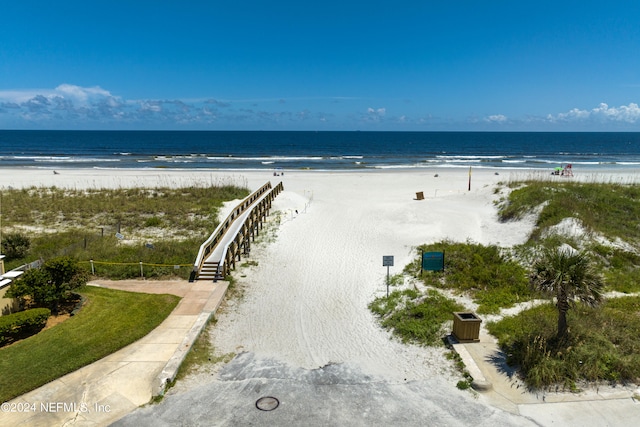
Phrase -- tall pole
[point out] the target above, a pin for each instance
(387, 281)
(469, 179)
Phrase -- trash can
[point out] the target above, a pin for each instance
(466, 326)
(420, 195)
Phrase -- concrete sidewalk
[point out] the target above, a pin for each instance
(114, 386)
(499, 386)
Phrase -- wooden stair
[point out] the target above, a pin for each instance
(210, 271)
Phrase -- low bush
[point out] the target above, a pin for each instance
(15, 245)
(22, 324)
(415, 317)
(482, 271)
(603, 344)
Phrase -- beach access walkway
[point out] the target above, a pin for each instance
(233, 237)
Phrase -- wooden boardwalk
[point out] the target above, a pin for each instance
(233, 237)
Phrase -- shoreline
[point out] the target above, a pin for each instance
(141, 177)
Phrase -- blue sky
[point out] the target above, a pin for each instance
(347, 65)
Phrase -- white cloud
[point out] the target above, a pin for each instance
(70, 106)
(81, 94)
(73, 106)
(66, 91)
(602, 113)
(377, 112)
(496, 118)
(374, 115)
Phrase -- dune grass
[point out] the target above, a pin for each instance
(608, 210)
(415, 317)
(482, 272)
(163, 226)
(603, 344)
(109, 321)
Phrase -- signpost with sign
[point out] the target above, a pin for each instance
(433, 261)
(387, 261)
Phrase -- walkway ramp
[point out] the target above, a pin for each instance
(232, 238)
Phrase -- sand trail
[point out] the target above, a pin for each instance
(306, 300)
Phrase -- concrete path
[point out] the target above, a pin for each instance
(498, 386)
(109, 389)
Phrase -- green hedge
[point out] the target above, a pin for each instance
(22, 323)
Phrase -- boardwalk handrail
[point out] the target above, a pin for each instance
(209, 245)
(223, 265)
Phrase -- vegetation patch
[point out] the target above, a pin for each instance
(22, 324)
(492, 280)
(415, 317)
(202, 354)
(109, 321)
(607, 213)
(607, 208)
(586, 241)
(603, 344)
(160, 227)
(49, 285)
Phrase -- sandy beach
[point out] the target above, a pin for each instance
(304, 297)
(306, 300)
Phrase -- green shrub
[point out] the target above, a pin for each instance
(22, 323)
(154, 221)
(15, 245)
(492, 280)
(48, 285)
(415, 317)
(603, 344)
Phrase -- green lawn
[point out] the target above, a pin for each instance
(109, 321)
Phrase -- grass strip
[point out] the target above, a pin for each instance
(109, 321)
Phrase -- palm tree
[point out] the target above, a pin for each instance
(567, 275)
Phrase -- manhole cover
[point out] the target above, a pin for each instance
(267, 403)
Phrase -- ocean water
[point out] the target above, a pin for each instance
(316, 150)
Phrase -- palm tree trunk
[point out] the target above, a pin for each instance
(563, 307)
(562, 323)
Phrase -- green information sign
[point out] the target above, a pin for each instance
(433, 261)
